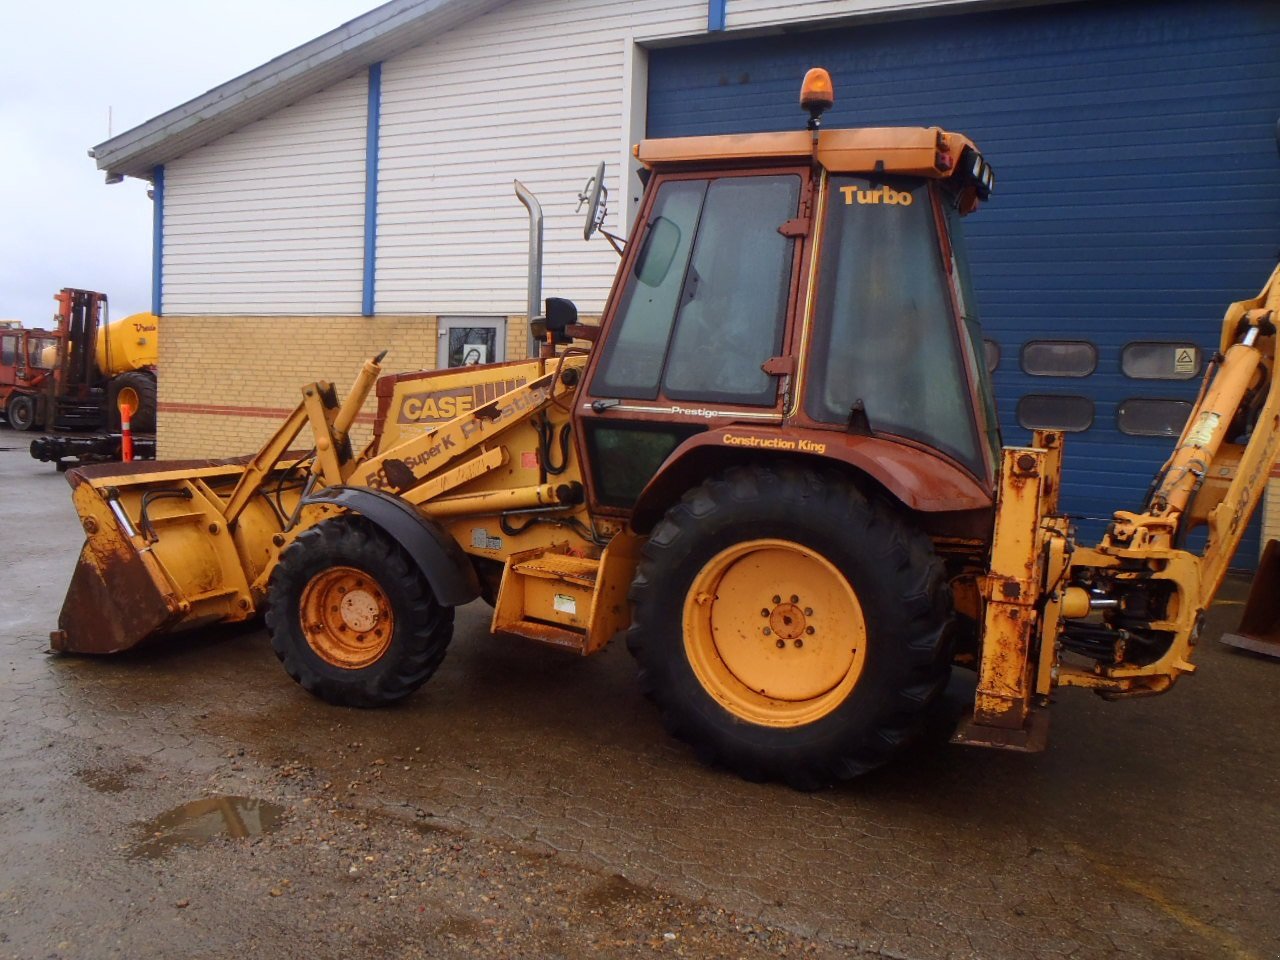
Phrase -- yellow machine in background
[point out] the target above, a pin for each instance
(121, 345)
(795, 560)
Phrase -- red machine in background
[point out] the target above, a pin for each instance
(72, 380)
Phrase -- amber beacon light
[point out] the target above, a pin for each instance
(816, 95)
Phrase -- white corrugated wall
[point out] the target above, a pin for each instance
(532, 92)
(270, 219)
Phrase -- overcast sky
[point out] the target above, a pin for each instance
(63, 63)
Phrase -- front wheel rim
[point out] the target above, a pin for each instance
(774, 632)
(346, 618)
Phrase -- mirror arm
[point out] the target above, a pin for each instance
(618, 243)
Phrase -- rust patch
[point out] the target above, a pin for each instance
(1010, 589)
(112, 604)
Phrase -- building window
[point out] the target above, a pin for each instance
(470, 341)
(1044, 411)
(991, 353)
(1059, 358)
(1150, 360)
(1146, 417)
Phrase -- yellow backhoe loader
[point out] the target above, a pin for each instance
(774, 467)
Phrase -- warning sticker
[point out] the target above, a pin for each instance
(564, 603)
(1202, 432)
(481, 540)
(1184, 360)
(529, 459)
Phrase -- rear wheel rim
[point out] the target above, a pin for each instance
(774, 632)
(346, 618)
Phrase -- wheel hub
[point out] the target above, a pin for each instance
(359, 611)
(787, 621)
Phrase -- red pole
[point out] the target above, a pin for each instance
(126, 432)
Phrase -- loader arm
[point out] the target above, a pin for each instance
(175, 546)
(1122, 617)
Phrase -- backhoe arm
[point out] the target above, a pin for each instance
(1122, 618)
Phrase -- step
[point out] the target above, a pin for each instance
(547, 597)
(559, 566)
(551, 634)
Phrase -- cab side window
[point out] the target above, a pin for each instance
(705, 303)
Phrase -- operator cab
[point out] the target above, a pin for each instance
(800, 292)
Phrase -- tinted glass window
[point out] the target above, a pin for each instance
(884, 332)
(734, 305)
(632, 361)
(1143, 417)
(1043, 411)
(1148, 360)
(1059, 358)
(9, 351)
(43, 352)
(625, 456)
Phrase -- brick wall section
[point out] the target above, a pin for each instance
(226, 383)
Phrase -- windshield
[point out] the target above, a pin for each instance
(885, 334)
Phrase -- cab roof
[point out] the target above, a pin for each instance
(911, 151)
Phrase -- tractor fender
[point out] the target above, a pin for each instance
(917, 478)
(447, 569)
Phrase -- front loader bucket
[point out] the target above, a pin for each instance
(158, 555)
(114, 601)
(1259, 629)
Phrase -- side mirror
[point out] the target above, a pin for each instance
(561, 313)
(596, 197)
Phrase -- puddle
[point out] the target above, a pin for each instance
(195, 824)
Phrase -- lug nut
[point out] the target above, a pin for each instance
(799, 644)
(809, 631)
(764, 613)
(781, 644)
(794, 598)
(777, 599)
(768, 632)
(808, 611)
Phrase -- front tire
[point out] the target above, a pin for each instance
(789, 627)
(352, 618)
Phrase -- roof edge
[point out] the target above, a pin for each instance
(136, 151)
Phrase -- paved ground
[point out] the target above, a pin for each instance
(526, 803)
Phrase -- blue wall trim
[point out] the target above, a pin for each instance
(157, 240)
(371, 187)
(716, 14)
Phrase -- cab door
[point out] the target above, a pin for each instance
(701, 304)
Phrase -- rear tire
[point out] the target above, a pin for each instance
(788, 627)
(21, 412)
(352, 618)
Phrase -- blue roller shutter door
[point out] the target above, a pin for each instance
(1138, 185)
